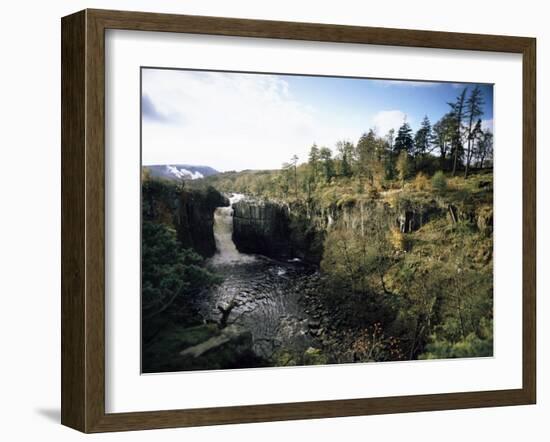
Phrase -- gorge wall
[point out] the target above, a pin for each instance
(263, 228)
(282, 230)
(195, 219)
(278, 230)
(189, 211)
(296, 230)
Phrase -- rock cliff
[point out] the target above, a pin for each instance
(262, 227)
(189, 211)
(195, 219)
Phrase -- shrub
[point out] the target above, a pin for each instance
(439, 181)
(421, 182)
(170, 276)
(398, 240)
(472, 346)
(403, 166)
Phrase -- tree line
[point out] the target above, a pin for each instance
(457, 142)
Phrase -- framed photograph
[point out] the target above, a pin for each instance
(269, 220)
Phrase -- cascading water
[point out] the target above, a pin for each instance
(261, 291)
(223, 234)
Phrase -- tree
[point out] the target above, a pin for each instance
(389, 160)
(473, 145)
(325, 156)
(345, 153)
(443, 134)
(294, 162)
(474, 109)
(290, 175)
(403, 165)
(390, 138)
(285, 183)
(423, 137)
(367, 156)
(359, 261)
(313, 161)
(170, 274)
(457, 109)
(485, 147)
(404, 140)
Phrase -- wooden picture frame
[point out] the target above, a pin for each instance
(83, 220)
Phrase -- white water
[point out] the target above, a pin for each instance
(223, 234)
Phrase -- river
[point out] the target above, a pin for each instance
(260, 294)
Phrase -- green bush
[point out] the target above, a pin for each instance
(170, 276)
(439, 181)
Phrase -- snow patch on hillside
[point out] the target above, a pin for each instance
(184, 173)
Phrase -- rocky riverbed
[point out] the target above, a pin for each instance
(263, 297)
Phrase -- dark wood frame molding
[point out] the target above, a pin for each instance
(83, 217)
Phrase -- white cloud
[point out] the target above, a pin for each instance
(227, 121)
(389, 119)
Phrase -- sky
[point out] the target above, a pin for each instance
(237, 121)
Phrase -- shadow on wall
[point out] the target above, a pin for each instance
(51, 414)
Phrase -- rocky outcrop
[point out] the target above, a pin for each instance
(411, 220)
(412, 215)
(195, 219)
(262, 227)
(481, 217)
(189, 211)
(307, 232)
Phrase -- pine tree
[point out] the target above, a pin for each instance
(365, 149)
(474, 110)
(457, 108)
(294, 162)
(423, 137)
(313, 161)
(345, 152)
(404, 140)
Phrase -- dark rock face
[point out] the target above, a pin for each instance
(261, 227)
(189, 211)
(195, 219)
(410, 220)
(308, 230)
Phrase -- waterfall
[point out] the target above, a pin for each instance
(223, 234)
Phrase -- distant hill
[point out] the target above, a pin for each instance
(177, 172)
